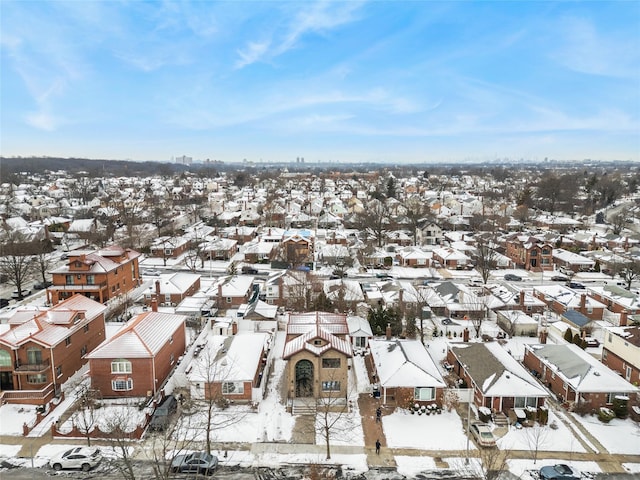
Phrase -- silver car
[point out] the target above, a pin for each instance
(81, 458)
(202, 463)
(483, 434)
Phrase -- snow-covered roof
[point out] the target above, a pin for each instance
(142, 337)
(495, 371)
(579, 369)
(230, 359)
(359, 327)
(404, 363)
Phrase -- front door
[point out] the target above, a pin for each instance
(304, 379)
(6, 381)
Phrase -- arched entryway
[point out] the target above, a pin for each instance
(304, 379)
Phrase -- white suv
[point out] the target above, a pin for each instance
(83, 458)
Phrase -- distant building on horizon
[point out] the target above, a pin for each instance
(184, 160)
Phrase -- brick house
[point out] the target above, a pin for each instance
(43, 348)
(530, 253)
(618, 300)
(171, 289)
(234, 290)
(450, 258)
(574, 376)
(168, 247)
(137, 360)
(621, 352)
(560, 299)
(405, 371)
(230, 367)
(498, 381)
(99, 274)
(317, 351)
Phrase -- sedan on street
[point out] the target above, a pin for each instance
(202, 463)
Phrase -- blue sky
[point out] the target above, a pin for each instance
(376, 81)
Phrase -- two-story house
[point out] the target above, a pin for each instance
(530, 253)
(621, 352)
(43, 348)
(137, 360)
(99, 274)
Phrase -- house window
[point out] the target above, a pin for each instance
(228, 299)
(91, 279)
(67, 341)
(68, 280)
(34, 356)
(58, 370)
(424, 393)
(83, 351)
(122, 384)
(330, 363)
(604, 354)
(86, 328)
(611, 396)
(317, 342)
(171, 359)
(534, 253)
(361, 342)
(545, 251)
(627, 374)
(522, 402)
(331, 386)
(232, 388)
(38, 378)
(5, 358)
(120, 365)
(528, 308)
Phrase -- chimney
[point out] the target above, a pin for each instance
(465, 335)
(543, 336)
(154, 304)
(623, 318)
(583, 303)
(158, 288)
(388, 331)
(521, 298)
(234, 328)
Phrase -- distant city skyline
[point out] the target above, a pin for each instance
(326, 81)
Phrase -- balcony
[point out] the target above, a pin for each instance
(32, 367)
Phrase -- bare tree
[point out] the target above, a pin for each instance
(619, 221)
(375, 219)
(86, 416)
(17, 261)
(493, 463)
(536, 438)
(333, 417)
(630, 273)
(485, 256)
(214, 369)
(43, 261)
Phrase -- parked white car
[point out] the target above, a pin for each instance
(81, 458)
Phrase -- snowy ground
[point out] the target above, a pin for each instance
(272, 423)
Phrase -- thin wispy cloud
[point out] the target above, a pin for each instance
(200, 78)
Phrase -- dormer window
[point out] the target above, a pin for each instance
(317, 342)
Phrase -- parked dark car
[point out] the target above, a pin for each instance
(575, 285)
(42, 285)
(559, 278)
(558, 472)
(249, 270)
(3, 302)
(162, 415)
(201, 463)
(510, 277)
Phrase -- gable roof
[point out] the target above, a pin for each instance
(404, 363)
(142, 337)
(305, 343)
(495, 372)
(580, 370)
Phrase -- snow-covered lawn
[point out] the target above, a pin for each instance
(14, 416)
(8, 451)
(542, 438)
(410, 466)
(429, 432)
(617, 436)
